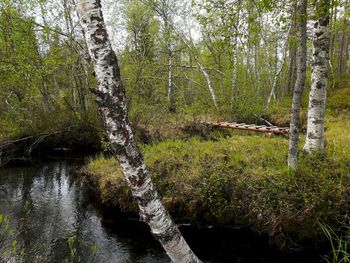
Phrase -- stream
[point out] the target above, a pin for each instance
(51, 218)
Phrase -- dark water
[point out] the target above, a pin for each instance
(47, 207)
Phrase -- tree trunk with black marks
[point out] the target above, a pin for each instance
(319, 78)
(112, 108)
(299, 86)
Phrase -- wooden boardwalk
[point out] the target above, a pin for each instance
(249, 127)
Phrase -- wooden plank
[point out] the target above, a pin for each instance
(250, 127)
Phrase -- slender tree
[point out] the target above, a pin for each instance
(279, 71)
(299, 85)
(202, 69)
(292, 49)
(164, 9)
(235, 56)
(319, 78)
(112, 108)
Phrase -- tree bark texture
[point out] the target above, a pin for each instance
(112, 108)
(319, 78)
(299, 85)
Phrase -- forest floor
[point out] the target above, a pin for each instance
(236, 177)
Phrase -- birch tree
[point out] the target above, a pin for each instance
(112, 108)
(279, 71)
(299, 85)
(201, 68)
(319, 78)
(292, 49)
(235, 57)
(165, 11)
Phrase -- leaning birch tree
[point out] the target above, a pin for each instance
(319, 78)
(112, 108)
(200, 66)
(299, 85)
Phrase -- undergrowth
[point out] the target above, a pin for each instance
(242, 178)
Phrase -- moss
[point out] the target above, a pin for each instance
(243, 179)
(106, 175)
(339, 100)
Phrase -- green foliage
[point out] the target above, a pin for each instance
(8, 244)
(241, 179)
(340, 101)
(340, 246)
(144, 29)
(43, 86)
(73, 250)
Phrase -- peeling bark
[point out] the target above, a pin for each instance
(112, 107)
(319, 78)
(299, 86)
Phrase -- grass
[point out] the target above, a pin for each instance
(242, 178)
(340, 246)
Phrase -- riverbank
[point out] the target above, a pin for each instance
(47, 211)
(243, 179)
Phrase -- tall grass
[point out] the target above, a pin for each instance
(340, 245)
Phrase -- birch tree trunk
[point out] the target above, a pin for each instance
(112, 108)
(202, 69)
(171, 88)
(299, 85)
(235, 57)
(278, 71)
(171, 92)
(164, 13)
(210, 86)
(319, 78)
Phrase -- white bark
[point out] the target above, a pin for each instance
(319, 78)
(112, 108)
(235, 69)
(202, 69)
(210, 86)
(278, 72)
(170, 77)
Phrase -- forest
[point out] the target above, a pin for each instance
(174, 131)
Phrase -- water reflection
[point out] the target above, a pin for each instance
(46, 207)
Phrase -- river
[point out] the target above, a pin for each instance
(52, 219)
